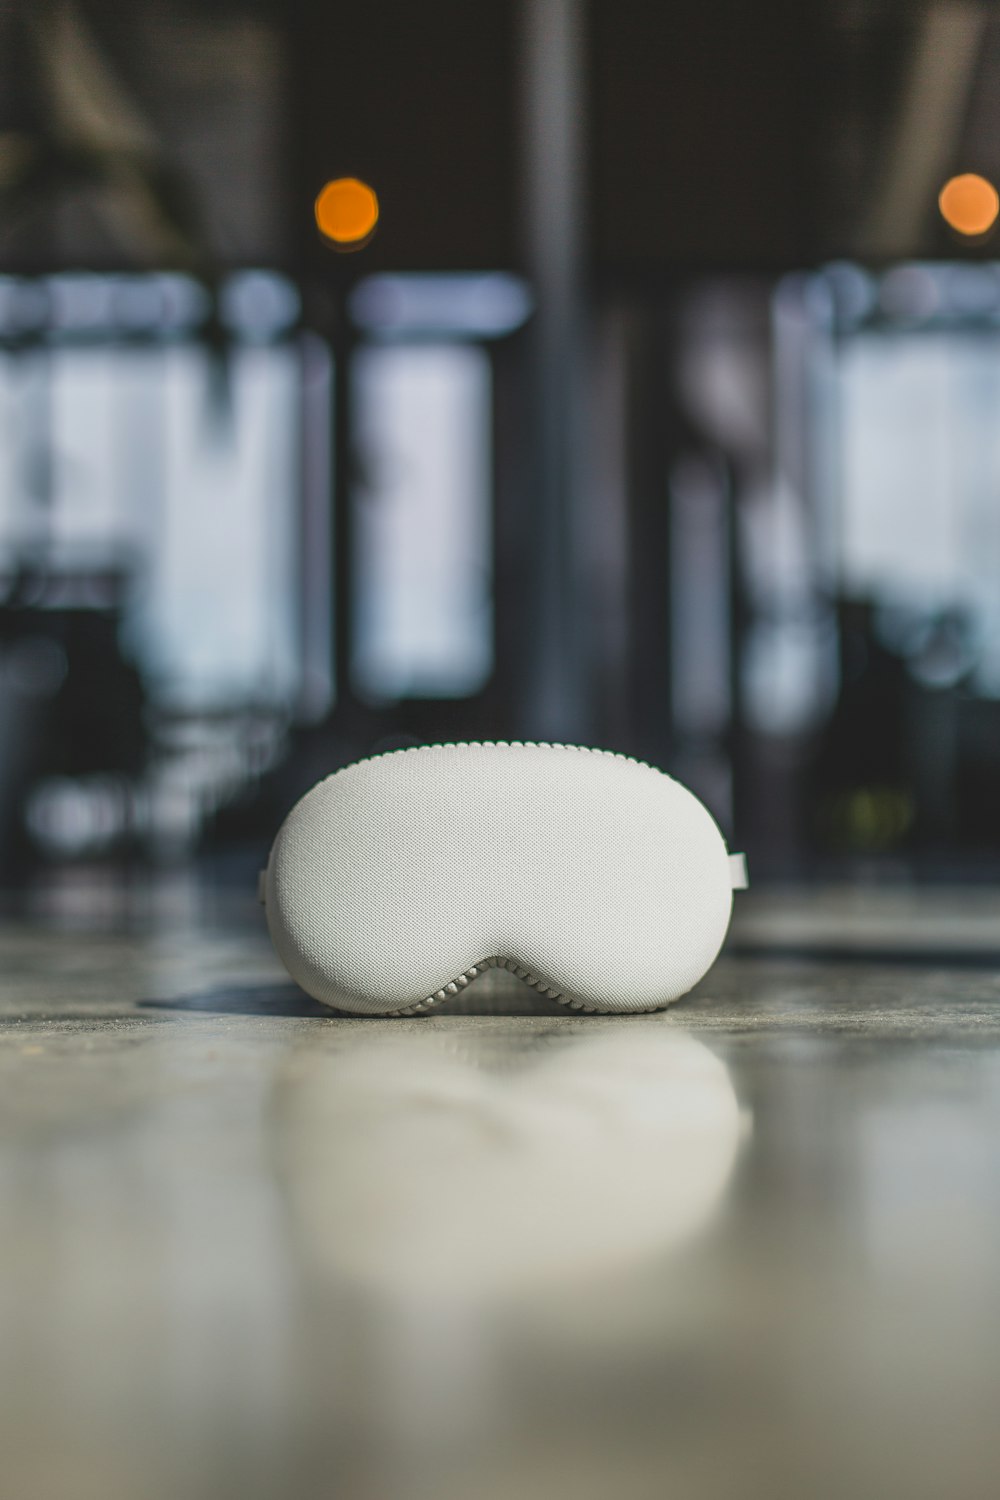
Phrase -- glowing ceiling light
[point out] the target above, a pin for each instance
(346, 212)
(969, 203)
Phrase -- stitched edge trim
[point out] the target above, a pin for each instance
(455, 987)
(495, 745)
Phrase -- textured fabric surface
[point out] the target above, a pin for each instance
(600, 878)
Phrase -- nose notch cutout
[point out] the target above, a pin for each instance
(499, 977)
(497, 980)
(497, 986)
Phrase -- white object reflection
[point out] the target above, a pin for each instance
(411, 1161)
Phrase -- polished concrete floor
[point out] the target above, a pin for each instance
(750, 1247)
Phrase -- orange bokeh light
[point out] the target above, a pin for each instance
(346, 212)
(969, 203)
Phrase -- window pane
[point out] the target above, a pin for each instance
(182, 475)
(423, 520)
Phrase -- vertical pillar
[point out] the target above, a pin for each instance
(553, 655)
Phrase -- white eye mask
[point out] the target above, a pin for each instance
(597, 879)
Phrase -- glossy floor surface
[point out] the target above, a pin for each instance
(750, 1247)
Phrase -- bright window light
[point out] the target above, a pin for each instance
(183, 476)
(485, 305)
(920, 456)
(424, 624)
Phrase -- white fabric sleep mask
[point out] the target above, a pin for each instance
(595, 878)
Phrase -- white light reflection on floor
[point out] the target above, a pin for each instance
(418, 1158)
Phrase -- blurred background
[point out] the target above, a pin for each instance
(619, 372)
(635, 382)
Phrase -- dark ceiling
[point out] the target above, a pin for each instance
(737, 134)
